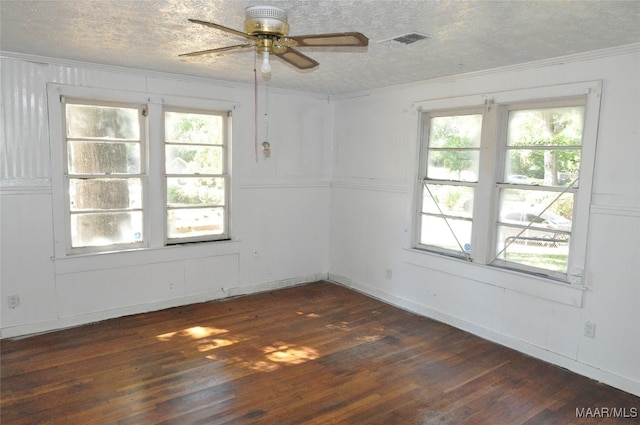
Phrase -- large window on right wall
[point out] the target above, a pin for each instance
(507, 183)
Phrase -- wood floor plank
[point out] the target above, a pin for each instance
(313, 354)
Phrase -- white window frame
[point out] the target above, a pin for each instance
(226, 116)
(154, 198)
(68, 176)
(425, 134)
(496, 106)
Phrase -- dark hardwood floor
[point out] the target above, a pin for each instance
(312, 354)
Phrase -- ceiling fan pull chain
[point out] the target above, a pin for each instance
(266, 146)
(255, 105)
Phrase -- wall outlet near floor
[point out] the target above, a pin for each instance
(13, 301)
(388, 273)
(590, 329)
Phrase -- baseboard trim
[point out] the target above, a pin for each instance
(30, 329)
(605, 377)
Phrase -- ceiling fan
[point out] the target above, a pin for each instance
(267, 32)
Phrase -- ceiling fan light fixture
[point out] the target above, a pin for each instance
(270, 20)
(267, 32)
(266, 66)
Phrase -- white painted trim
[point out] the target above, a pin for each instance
(486, 189)
(25, 186)
(45, 60)
(274, 285)
(540, 287)
(527, 66)
(615, 210)
(613, 204)
(128, 258)
(220, 294)
(541, 353)
(560, 60)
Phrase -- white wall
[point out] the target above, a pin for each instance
(334, 200)
(374, 169)
(274, 201)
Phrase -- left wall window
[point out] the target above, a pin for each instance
(131, 171)
(104, 174)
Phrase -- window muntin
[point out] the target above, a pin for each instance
(450, 172)
(454, 147)
(524, 218)
(109, 174)
(196, 175)
(542, 159)
(103, 175)
(531, 230)
(543, 145)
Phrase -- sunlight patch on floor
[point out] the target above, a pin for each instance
(267, 359)
(281, 352)
(195, 332)
(312, 315)
(214, 343)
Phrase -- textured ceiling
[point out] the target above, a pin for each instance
(465, 36)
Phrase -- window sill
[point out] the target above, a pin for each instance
(512, 280)
(133, 257)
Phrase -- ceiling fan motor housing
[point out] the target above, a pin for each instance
(266, 20)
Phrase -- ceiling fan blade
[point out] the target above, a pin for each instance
(337, 39)
(297, 59)
(221, 28)
(218, 50)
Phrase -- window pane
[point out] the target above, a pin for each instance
(461, 131)
(183, 191)
(448, 200)
(532, 130)
(453, 152)
(189, 159)
(102, 121)
(522, 207)
(105, 194)
(102, 229)
(436, 232)
(531, 234)
(542, 249)
(546, 127)
(193, 222)
(453, 164)
(86, 157)
(183, 127)
(558, 167)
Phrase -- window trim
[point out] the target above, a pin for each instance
(154, 198)
(227, 123)
(425, 129)
(67, 176)
(494, 139)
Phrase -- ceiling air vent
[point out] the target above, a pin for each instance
(407, 38)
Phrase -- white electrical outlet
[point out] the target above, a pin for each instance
(388, 273)
(590, 329)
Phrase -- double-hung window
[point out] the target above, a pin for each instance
(196, 175)
(450, 171)
(508, 184)
(104, 174)
(540, 180)
(134, 172)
